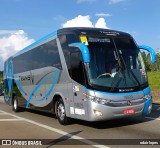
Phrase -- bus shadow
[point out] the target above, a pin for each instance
(65, 140)
(47, 114)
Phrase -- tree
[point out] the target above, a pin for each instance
(1, 79)
(158, 61)
(145, 60)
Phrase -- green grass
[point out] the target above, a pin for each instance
(154, 80)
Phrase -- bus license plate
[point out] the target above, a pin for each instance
(128, 111)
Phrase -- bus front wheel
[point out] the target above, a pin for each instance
(61, 112)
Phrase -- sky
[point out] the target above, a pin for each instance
(24, 21)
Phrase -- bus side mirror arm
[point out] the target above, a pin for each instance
(84, 50)
(151, 51)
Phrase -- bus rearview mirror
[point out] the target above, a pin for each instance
(84, 50)
(151, 51)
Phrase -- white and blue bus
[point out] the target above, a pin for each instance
(84, 73)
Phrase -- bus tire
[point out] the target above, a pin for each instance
(15, 106)
(61, 112)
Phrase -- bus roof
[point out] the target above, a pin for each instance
(79, 30)
(96, 31)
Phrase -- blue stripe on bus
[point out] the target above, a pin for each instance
(146, 106)
(148, 101)
(9, 73)
(146, 91)
(7, 98)
(119, 94)
(41, 82)
(37, 42)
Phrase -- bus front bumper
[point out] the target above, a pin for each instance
(98, 112)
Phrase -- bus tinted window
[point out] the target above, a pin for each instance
(65, 40)
(39, 57)
(77, 70)
(52, 54)
(125, 43)
(22, 62)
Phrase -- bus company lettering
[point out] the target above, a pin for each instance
(126, 90)
(110, 33)
(24, 78)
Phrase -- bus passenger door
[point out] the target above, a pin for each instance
(78, 76)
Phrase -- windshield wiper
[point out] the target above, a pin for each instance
(115, 81)
(129, 70)
(122, 68)
(120, 71)
(134, 76)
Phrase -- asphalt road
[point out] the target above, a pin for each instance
(37, 126)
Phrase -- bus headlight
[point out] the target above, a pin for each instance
(97, 113)
(98, 100)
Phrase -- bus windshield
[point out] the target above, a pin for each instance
(115, 63)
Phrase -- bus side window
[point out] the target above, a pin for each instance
(77, 70)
